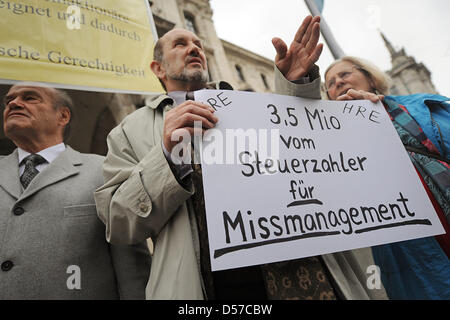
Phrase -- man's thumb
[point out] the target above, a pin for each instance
(280, 47)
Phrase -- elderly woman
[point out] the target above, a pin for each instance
(415, 269)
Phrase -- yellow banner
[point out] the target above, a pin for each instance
(99, 45)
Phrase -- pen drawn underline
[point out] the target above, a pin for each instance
(304, 202)
(220, 252)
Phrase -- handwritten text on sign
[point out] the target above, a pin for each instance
(286, 178)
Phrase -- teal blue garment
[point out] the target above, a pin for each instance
(419, 269)
(414, 270)
(424, 106)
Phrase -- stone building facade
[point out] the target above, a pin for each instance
(97, 113)
(243, 69)
(408, 76)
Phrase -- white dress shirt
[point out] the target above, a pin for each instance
(49, 154)
(178, 96)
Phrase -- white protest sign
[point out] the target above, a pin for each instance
(287, 178)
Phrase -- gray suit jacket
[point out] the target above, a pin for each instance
(53, 225)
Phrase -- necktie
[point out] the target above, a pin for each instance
(30, 171)
(198, 203)
(190, 95)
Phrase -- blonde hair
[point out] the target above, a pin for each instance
(379, 80)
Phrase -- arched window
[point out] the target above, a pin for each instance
(190, 22)
(263, 77)
(239, 72)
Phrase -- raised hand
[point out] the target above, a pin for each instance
(295, 62)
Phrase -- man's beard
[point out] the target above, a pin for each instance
(195, 76)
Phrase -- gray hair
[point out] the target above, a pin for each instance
(380, 80)
(60, 100)
(158, 55)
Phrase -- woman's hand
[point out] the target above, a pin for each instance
(353, 94)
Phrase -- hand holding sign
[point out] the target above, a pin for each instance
(324, 186)
(353, 94)
(182, 118)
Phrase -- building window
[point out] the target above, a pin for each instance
(263, 77)
(190, 22)
(239, 72)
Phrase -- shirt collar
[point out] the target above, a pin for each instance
(163, 99)
(178, 96)
(49, 154)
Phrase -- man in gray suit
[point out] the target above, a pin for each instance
(52, 244)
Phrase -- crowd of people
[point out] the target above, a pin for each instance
(58, 204)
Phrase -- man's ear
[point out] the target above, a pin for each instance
(158, 69)
(64, 116)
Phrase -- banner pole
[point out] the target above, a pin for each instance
(334, 47)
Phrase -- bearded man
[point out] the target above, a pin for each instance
(147, 195)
